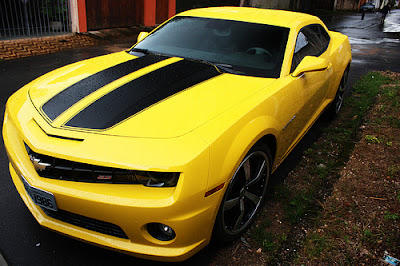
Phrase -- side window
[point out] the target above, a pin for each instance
(301, 42)
(312, 40)
(324, 36)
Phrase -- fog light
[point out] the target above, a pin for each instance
(161, 231)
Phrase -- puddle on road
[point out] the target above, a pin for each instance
(358, 61)
(391, 24)
(378, 41)
(365, 51)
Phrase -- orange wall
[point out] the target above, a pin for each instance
(149, 13)
(82, 15)
(171, 8)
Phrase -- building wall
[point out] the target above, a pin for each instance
(272, 4)
(294, 5)
(125, 13)
(113, 13)
(183, 5)
(347, 5)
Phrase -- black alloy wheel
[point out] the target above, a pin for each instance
(337, 103)
(340, 93)
(244, 194)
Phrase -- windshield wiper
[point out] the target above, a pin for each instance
(226, 68)
(140, 50)
(221, 67)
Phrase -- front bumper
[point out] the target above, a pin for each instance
(130, 207)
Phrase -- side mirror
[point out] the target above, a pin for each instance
(310, 64)
(142, 35)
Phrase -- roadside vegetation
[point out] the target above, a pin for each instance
(341, 202)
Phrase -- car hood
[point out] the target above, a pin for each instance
(150, 96)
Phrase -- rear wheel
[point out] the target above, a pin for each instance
(244, 194)
(337, 103)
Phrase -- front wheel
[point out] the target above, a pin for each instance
(244, 194)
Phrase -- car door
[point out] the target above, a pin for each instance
(312, 40)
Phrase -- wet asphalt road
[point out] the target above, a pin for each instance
(373, 46)
(24, 242)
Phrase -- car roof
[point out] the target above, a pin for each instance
(254, 15)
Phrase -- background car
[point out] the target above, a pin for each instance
(155, 150)
(367, 7)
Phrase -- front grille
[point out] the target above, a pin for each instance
(87, 223)
(61, 169)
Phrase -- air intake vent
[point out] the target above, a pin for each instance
(87, 223)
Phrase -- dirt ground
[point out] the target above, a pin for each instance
(341, 204)
(361, 219)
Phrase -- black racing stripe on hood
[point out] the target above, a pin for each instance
(71, 95)
(141, 93)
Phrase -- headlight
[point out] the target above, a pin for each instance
(149, 179)
(157, 179)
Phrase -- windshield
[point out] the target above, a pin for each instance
(246, 48)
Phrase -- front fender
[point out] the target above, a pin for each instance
(227, 155)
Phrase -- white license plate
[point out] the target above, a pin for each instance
(40, 197)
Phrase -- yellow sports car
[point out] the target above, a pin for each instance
(154, 150)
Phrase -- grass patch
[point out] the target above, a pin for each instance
(372, 139)
(315, 244)
(322, 166)
(344, 134)
(391, 216)
(298, 206)
(300, 200)
(393, 170)
(266, 239)
(359, 228)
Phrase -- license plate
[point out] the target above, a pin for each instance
(40, 197)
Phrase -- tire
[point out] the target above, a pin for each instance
(244, 194)
(337, 103)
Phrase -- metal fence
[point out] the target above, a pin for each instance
(30, 18)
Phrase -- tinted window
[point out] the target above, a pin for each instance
(250, 48)
(312, 40)
(324, 36)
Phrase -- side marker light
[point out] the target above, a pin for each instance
(212, 191)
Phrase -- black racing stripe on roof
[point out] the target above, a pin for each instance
(71, 95)
(141, 93)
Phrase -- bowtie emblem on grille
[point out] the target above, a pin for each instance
(39, 166)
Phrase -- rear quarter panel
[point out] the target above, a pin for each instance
(340, 54)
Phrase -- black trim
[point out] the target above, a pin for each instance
(86, 222)
(71, 95)
(66, 138)
(57, 136)
(141, 93)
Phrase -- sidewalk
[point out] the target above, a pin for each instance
(17, 48)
